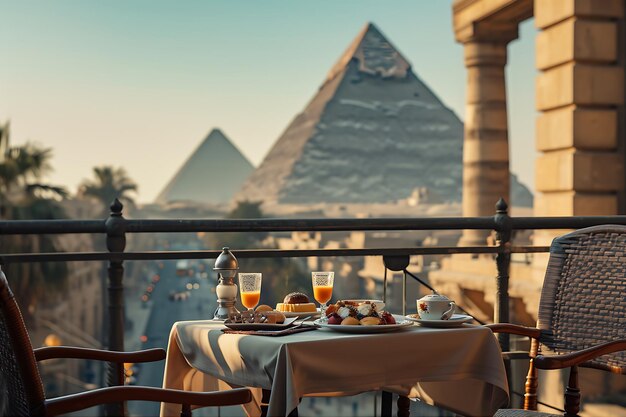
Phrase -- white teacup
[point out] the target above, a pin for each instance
(435, 307)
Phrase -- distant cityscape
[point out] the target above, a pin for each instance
(373, 141)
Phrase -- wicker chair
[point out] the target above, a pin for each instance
(21, 389)
(582, 313)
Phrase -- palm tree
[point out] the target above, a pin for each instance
(24, 197)
(22, 169)
(109, 183)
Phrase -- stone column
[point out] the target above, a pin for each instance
(580, 97)
(486, 144)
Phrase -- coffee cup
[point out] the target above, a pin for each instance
(435, 307)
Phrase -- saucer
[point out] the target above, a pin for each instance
(457, 320)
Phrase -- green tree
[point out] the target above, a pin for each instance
(108, 184)
(246, 210)
(23, 196)
(22, 169)
(241, 240)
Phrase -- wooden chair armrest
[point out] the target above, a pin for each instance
(515, 329)
(57, 352)
(575, 358)
(80, 401)
(514, 355)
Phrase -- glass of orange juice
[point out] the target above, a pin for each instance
(250, 289)
(323, 289)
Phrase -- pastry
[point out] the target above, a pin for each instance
(350, 321)
(367, 312)
(331, 309)
(296, 302)
(334, 318)
(263, 307)
(296, 298)
(296, 308)
(370, 321)
(274, 317)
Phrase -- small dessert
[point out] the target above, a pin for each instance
(346, 311)
(296, 302)
(331, 309)
(262, 308)
(350, 321)
(334, 318)
(262, 316)
(369, 321)
(388, 317)
(364, 313)
(274, 317)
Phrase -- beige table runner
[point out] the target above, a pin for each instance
(458, 369)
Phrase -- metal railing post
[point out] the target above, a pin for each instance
(116, 242)
(397, 263)
(503, 263)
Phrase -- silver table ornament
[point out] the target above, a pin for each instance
(226, 266)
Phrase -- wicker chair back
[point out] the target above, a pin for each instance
(21, 390)
(583, 301)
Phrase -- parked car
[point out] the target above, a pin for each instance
(182, 267)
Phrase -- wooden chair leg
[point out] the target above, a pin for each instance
(386, 404)
(530, 393)
(185, 411)
(404, 405)
(265, 399)
(572, 394)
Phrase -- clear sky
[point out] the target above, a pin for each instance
(139, 84)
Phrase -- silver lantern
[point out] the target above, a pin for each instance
(226, 266)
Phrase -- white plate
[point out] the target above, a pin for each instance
(359, 301)
(401, 322)
(457, 320)
(261, 326)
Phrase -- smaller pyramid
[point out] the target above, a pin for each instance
(211, 175)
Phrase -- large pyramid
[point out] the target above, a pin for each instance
(212, 174)
(373, 133)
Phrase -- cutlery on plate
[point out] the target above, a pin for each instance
(295, 326)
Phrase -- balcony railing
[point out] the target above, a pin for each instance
(116, 228)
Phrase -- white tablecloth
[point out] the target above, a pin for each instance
(459, 369)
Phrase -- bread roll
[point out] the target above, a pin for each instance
(370, 321)
(296, 298)
(262, 308)
(350, 321)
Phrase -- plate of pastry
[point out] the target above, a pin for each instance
(262, 318)
(361, 316)
(366, 325)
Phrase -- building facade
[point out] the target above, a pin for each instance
(580, 135)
